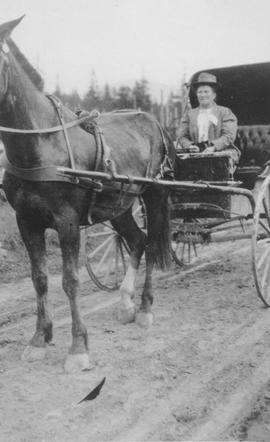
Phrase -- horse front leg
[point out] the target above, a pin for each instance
(69, 236)
(34, 240)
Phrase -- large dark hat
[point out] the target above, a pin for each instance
(206, 78)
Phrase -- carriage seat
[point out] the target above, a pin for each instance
(254, 144)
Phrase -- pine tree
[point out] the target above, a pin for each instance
(92, 99)
(124, 98)
(142, 96)
(107, 99)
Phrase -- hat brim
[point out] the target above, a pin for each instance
(205, 83)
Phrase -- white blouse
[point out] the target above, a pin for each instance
(205, 117)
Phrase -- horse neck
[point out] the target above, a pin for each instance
(24, 107)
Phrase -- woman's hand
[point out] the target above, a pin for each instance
(193, 148)
(209, 149)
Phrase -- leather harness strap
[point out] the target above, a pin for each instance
(57, 105)
(49, 130)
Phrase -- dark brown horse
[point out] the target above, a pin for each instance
(42, 199)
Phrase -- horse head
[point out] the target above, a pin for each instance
(5, 32)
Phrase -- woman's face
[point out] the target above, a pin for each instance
(206, 96)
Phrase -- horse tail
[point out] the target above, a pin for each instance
(158, 226)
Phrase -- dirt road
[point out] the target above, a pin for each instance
(202, 372)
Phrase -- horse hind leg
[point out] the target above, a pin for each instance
(126, 226)
(69, 236)
(34, 239)
(157, 250)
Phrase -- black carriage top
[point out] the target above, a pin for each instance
(245, 89)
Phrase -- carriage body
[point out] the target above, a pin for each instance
(213, 168)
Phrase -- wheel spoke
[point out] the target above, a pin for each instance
(106, 276)
(183, 251)
(262, 258)
(106, 253)
(92, 254)
(265, 274)
(97, 234)
(266, 210)
(264, 226)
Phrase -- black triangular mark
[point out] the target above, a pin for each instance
(94, 393)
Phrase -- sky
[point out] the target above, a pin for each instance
(125, 40)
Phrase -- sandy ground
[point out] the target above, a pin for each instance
(202, 372)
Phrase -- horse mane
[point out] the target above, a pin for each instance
(32, 73)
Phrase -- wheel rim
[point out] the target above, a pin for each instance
(106, 258)
(261, 243)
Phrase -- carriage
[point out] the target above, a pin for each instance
(210, 206)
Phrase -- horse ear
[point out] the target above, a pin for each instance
(7, 28)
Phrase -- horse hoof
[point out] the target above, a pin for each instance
(144, 320)
(126, 314)
(32, 353)
(77, 362)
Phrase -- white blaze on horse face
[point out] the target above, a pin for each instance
(128, 285)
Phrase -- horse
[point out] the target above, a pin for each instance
(44, 199)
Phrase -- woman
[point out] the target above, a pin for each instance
(209, 128)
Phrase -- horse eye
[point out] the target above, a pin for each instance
(5, 48)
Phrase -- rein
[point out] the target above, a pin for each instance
(49, 130)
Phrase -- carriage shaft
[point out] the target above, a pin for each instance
(129, 179)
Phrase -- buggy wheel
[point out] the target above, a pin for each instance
(184, 248)
(106, 253)
(184, 253)
(261, 243)
(106, 257)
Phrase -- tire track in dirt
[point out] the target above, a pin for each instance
(236, 407)
(222, 418)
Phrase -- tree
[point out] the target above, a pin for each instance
(92, 99)
(142, 96)
(124, 98)
(74, 100)
(107, 99)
